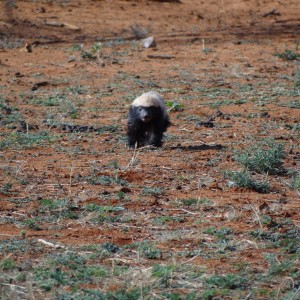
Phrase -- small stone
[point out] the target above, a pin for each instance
(149, 42)
(71, 58)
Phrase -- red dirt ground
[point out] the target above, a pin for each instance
(202, 47)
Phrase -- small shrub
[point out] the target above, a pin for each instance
(21, 140)
(6, 189)
(297, 79)
(189, 201)
(54, 100)
(138, 31)
(71, 260)
(149, 250)
(264, 157)
(107, 180)
(102, 209)
(296, 180)
(163, 272)
(174, 106)
(243, 179)
(7, 264)
(48, 204)
(166, 219)
(110, 247)
(10, 43)
(228, 281)
(152, 191)
(32, 224)
(95, 271)
(288, 55)
(276, 268)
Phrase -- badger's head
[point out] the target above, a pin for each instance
(149, 106)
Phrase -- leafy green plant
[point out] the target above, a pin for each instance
(106, 213)
(7, 264)
(293, 104)
(295, 182)
(149, 250)
(221, 233)
(244, 179)
(53, 100)
(287, 55)
(152, 191)
(163, 272)
(6, 189)
(25, 140)
(297, 79)
(189, 201)
(264, 157)
(32, 224)
(49, 204)
(165, 219)
(139, 31)
(174, 106)
(60, 208)
(106, 180)
(211, 293)
(78, 89)
(110, 247)
(228, 281)
(276, 267)
(92, 54)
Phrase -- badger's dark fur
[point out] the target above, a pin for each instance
(147, 120)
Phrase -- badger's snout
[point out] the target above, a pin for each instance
(146, 119)
(145, 116)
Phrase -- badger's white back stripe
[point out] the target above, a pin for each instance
(151, 99)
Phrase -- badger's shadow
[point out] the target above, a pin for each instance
(202, 147)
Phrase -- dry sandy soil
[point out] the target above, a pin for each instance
(83, 217)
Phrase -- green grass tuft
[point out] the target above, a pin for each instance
(264, 157)
(244, 179)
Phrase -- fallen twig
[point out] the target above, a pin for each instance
(50, 244)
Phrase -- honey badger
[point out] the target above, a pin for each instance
(147, 120)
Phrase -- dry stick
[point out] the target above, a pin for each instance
(294, 296)
(142, 283)
(258, 218)
(27, 129)
(286, 279)
(249, 242)
(29, 286)
(50, 244)
(19, 167)
(11, 235)
(135, 155)
(70, 180)
(184, 210)
(14, 285)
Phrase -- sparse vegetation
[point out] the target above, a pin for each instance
(174, 106)
(288, 55)
(152, 191)
(21, 140)
(264, 157)
(139, 31)
(213, 214)
(244, 179)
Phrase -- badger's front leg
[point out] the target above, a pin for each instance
(132, 135)
(155, 136)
